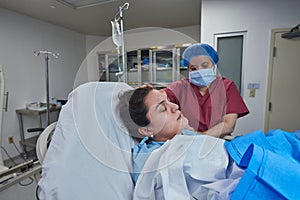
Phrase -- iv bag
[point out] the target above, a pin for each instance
(116, 33)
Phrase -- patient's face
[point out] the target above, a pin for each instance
(165, 119)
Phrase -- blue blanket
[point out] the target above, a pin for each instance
(272, 163)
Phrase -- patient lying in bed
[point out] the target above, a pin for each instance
(170, 164)
(90, 155)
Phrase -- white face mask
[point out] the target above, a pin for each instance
(202, 77)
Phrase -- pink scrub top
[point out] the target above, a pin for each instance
(205, 111)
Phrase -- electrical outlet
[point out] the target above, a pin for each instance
(10, 139)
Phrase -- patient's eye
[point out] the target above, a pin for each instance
(163, 108)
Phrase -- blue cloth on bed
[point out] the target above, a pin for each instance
(272, 163)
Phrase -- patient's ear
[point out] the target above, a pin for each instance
(145, 131)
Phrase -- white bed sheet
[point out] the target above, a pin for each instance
(188, 167)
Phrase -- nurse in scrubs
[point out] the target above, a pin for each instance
(211, 103)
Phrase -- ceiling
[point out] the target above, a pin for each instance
(95, 20)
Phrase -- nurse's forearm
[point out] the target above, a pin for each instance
(224, 128)
(220, 130)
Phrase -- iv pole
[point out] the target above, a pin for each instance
(46, 56)
(121, 8)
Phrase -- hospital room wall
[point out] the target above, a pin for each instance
(24, 73)
(258, 18)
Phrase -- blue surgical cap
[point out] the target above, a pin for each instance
(199, 49)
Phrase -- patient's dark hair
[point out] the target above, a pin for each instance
(133, 110)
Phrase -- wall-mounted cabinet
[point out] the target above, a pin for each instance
(159, 66)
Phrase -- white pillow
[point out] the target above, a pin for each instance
(90, 153)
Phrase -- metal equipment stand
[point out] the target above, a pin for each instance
(46, 56)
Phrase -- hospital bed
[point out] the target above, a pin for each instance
(89, 157)
(90, 152)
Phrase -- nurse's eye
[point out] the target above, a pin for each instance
(193, 67)
(205, 65)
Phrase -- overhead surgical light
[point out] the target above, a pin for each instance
(76, 4)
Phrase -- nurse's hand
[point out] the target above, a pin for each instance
(188, 127)
(144, 86)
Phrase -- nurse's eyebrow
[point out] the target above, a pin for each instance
(156, 107)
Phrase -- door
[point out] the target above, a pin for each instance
(231, 50)
(283, 111)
